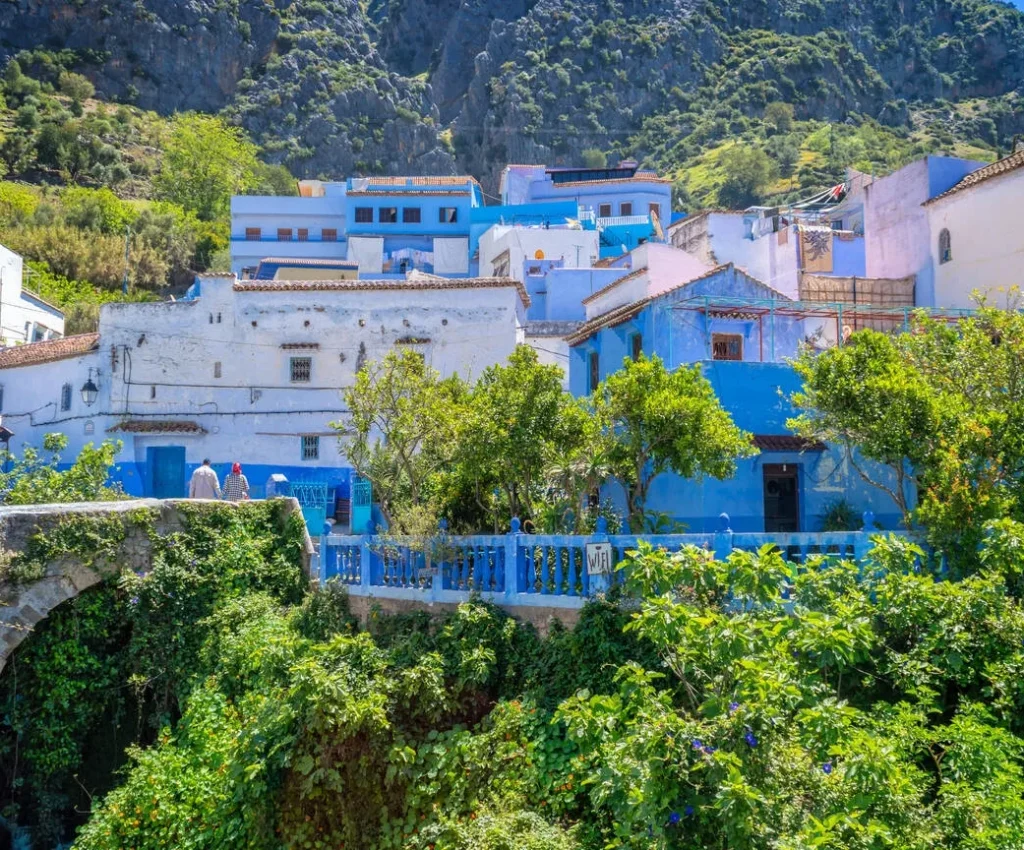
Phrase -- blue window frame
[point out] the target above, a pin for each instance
(311, 448)
(65, 397)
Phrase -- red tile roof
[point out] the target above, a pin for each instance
(157, 426)
(996, 169)
(607, 320)
(413, 283)
(49, 351)
(786, 443)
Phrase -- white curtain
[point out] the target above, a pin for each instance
(368, 251)
(451, 256)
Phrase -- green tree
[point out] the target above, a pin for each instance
(75, 86)
(867, 397)
(514, 422)
(660, 421)
(748, 172)
(401, 429)
(34, 478)
(594, 158)
(205, 162)
(779, 116)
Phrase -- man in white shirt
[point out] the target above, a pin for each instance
(204, 484)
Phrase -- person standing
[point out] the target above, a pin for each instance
(204, 483)
(236, 485)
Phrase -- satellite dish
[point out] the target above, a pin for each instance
(538, 254)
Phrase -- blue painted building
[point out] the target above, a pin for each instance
(740, 331)
(400, 224)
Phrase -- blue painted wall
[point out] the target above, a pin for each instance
(557, 293)
(482, 219)
(944, 172)
(755, 393)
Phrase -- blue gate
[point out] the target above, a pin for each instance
(312, 497)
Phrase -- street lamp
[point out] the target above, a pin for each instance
(90, 392)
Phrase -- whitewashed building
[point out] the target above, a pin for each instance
(977, 241)
(24, 316)
(252, 371)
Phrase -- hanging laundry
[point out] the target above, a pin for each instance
(816, 249)
(784, 235)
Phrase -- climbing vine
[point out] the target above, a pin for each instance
(110, 667)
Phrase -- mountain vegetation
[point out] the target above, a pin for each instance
(743, 102)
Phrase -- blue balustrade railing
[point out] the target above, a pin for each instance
(536, 569)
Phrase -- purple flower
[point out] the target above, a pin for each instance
(688, 811)
(750, 738)
(709, 751)
(827, 767)
(697, 745)
(134, 600)
(673, 818)
(734, 706)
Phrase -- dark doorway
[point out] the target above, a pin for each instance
(167, 468)
(781, 498)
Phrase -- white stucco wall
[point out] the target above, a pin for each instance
(578, 248)
(159, 361)
(987, 241)
(22, 318)
(895, 223)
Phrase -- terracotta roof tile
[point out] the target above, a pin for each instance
(413, 283)
(786, 443)
(1000, 167)
(156, 426)
(607, 320)
(48, 351)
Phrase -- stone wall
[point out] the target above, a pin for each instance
(22, 605)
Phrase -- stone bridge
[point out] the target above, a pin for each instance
(22, 605)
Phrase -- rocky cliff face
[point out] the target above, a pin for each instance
(161, 55)
(335, 87)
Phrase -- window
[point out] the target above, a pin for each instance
(90, 426)
(253, 234)
(945, 247)
(410, 215)
(303, 234)
(329, 234)
(594, 362)
(636, 346)
(310, 448)
(726, 347)
(1, 399)
(364, 215)
(301, 369)
(604, 211)
(655, 210)
(626, 209)
(216, 369)
(387, 215)
(65, 397)
(448, 215)
(152, 391)
(284, 234)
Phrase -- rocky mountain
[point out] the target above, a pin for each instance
(337, 87)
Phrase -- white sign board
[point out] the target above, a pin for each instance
(600, 559)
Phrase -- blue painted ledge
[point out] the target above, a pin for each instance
(532, 570)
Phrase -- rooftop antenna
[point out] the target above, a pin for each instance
(127, 250)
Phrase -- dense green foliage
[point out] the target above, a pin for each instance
(516, 444)
(114, 665)
(34, 479)
(740, 705)
(940, 409)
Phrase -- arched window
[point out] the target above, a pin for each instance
(945, 247)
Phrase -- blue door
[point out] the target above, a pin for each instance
(167, 471)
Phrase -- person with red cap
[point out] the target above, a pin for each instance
(236, 485)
